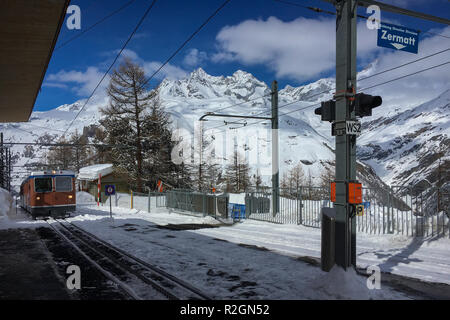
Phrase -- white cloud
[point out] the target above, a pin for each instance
(416, 88)
(194, 57)
(304, 49)
(169, 71)
(55, 85)
(83, 83)
(301, 49)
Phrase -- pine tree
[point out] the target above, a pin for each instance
(296, 178)
(125, 117)
(327, 175)
(205, 172)
(60, 156)
(79, 150)
(257, 180)
(138, 130)
(237, 174)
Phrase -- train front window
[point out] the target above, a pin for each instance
(43, 184)
(63, 184)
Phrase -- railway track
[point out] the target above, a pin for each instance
(140, 280)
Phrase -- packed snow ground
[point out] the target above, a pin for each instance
(255, 259)
(199, 255)
(222, 269)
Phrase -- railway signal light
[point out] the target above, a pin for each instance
(327, 111)
(364, 103)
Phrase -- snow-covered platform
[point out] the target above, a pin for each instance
(27, 270)
(247, 260)
(261, 260)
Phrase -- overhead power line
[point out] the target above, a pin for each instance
(187, 41)
(329, 90)
(405, 64)
(319, 10)
(407, 75)
(94, 25)
(112, 64)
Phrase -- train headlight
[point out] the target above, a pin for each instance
(70, 196)
(38, 198)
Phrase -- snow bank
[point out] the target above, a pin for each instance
(6, 202)
(341, 284)
(85, 197)
(92, 172)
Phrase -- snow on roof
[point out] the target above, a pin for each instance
(92, 172)
(237, 198)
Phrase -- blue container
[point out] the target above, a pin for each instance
(237, 211)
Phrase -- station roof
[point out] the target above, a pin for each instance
(28, 33)
(91, 173)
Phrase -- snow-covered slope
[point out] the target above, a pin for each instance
(406, 148)
(303, 137)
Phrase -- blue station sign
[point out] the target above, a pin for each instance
(398, 38)
(110, 190)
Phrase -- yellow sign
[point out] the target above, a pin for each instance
(360, 210)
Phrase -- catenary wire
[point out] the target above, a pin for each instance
(94, 25)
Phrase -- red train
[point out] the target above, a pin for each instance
(49, 193)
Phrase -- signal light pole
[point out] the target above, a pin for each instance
(345, 228)
(343, 109)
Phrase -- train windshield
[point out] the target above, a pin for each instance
(43, 184)
(63, 184)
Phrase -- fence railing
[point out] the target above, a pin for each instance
(140, 201)
(397, 210)
(198, 202)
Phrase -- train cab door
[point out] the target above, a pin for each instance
(59, 198)
(63, 190)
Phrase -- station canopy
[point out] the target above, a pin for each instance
(91, 173)
(28, 33)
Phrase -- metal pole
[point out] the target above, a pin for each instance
(1, 161)
(110, 206)
(149, 199)
(9, 170)
(345, 144)
(275, 156)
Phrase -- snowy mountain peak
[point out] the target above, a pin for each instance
(401, 147)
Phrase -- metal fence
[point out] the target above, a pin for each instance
(405, 210)
(396, 210)
(198, 202)
(302, 206)
(140, 201)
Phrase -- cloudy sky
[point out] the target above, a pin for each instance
(270, 39)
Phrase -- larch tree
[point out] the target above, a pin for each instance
(138, 130)
(237, 173)
(296, 178)
(125, 116)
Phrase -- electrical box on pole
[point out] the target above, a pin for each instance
(347, 105)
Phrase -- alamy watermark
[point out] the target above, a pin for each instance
(219, 146)
(74, 279)
(374, 20)
(374, 279)
(74, 20)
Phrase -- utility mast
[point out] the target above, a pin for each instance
(342, 112)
